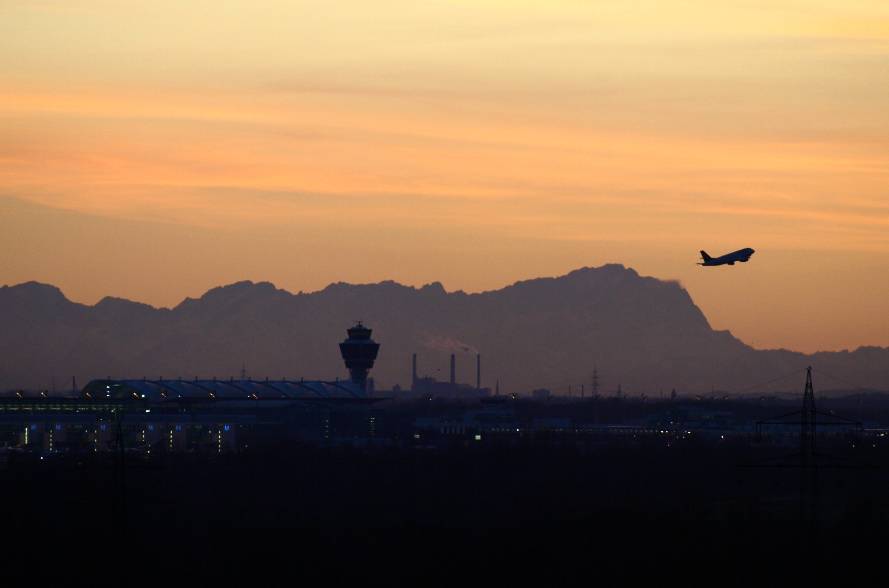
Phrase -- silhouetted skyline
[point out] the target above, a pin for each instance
(639, 332)
(290, 288)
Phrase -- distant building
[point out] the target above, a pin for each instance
(359, 352)
(426, 386)
(205, 415)
(541, 394)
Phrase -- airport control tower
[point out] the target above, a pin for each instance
(359, 352)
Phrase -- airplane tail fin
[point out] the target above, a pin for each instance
(704, 256)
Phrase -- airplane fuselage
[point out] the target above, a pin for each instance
(741, 255)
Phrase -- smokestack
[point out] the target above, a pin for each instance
(414, 372)
(453, 370)
(478, 372)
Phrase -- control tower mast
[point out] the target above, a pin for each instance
(359, 352)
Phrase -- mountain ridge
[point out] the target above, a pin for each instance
(639, 332)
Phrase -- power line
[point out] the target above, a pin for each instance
(841, 380)
(794, 373)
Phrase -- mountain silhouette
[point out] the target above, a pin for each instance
(642, 333)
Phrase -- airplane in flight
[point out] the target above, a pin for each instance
(742, 255)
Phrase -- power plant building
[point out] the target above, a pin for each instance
(425, 386)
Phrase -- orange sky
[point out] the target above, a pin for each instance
(155, 149)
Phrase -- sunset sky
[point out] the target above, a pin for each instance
(152, 150)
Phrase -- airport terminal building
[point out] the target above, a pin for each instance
(198, 415)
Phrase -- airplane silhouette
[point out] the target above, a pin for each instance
(742, 255)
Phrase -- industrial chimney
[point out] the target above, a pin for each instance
(478, 372)
(414, 372)
(453, 370)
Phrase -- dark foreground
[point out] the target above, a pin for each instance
(551, 515)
